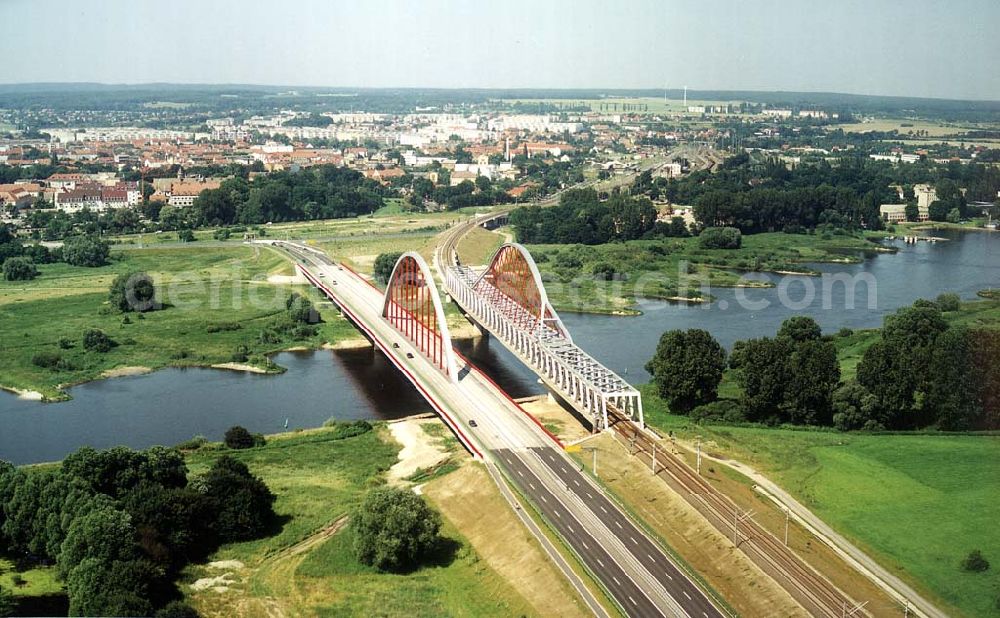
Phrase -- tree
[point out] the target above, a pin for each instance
(133, 291)
(394, 529)
(800, 328)
(384, 264)
(953, 392)
(242, 503)
(238, 437)
(938, 210)
(87, 251)
(912, 212)
(687, 368)
(104, 534)
(761, 367)
(814, 373)
(19, 269)
(116, 588)
(855, 408)
(95, 340)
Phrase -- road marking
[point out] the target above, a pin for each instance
(570, 528)
(602, 508)
(688, 596)
(584, 543)
(543, 499)
(532, 485)
(704, 614)
(558, 515)
(617, 523)
(576, 482)
(633, 600)
(589, 495)
(616, 580)
(633, 539)
(600, 562)
(519, 473)
(651, 558)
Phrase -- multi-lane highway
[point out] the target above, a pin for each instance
(633, 569)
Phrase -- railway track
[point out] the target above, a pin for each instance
(816, 593)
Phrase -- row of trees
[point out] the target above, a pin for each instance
(925, 372)
(757, 196)
(320, 192)
(121, 524)
(582, 217)
(920, 373)
(19, 261)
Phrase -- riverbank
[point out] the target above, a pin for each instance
(218, 310)
(676, 269)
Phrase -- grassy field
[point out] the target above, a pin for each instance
(904, 126)
(660, 266)
(305, 569)
(202, 287)
(917, 503)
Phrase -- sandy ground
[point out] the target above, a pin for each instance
(420, 449)
(469, 500)
(239, 367)
(118, 372)
(352, 343)
(555, 418)
(24, 394)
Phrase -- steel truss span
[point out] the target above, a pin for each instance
(509, 300)
(413, 307)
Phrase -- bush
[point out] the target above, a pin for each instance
(240, 354)
(95, 340)
(394, 529)
(974, 562)
(724, 410)
(603, 271)
(46, 360)
(19, 269)
(176, 609)
(223, 327)
(87, 251)
(720, 238)
(845, 332)
(238, 437)
(949, 302)
(65, 343)
(186, 236)
(193, 444)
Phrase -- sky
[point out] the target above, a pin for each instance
(943, 49)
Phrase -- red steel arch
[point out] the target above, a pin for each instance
(513, 273)
(413, 307)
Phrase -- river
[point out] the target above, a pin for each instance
(172, 405)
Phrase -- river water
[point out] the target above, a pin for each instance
(172, 405)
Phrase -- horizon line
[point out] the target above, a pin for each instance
(491, 88)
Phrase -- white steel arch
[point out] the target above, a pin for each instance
(545, 311)
(541, 343)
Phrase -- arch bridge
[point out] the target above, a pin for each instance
(508, 300)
